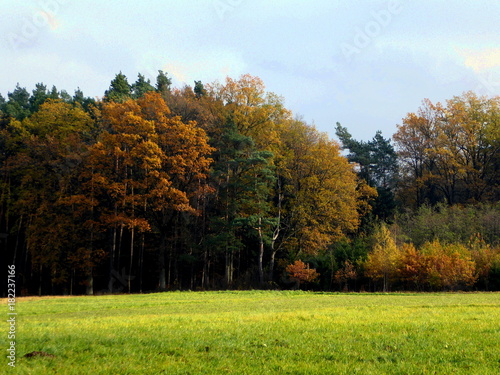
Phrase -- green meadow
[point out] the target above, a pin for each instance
(259, 332)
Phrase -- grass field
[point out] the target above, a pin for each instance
(259, 333)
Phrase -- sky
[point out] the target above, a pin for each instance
(365, 64)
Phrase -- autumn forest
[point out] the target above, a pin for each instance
(219, 186)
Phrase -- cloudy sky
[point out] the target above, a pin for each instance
(364, 64)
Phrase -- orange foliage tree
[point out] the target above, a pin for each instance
(300, 272)
(346, 273)
(448, 266)
(149, 166)
(411, 270)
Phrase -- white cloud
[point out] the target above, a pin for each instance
(480, 59)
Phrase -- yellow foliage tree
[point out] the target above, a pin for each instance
(385, 259)
(450, 152)
(255, 112)
(324, 201)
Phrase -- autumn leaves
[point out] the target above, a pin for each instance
(205, 188)
(147, 166)
(450, 153)
(220, 187)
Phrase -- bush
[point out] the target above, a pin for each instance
(448, 267)
(300, 272)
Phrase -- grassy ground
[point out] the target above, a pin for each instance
(260, 333)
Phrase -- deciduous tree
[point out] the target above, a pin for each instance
(300, 272)
(385, 259)
(321, 199)
(448, 152)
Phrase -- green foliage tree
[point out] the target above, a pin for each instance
(141, 86)
(243, 178)
(38, 97)
(65, 97)
(85, 102)
(377, 163)
(163, 83)
(18, 105)
(119, 89)
(54, 93)
(199, 89)
(455, 224)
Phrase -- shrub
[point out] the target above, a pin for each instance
(448, 266)
(300, 272)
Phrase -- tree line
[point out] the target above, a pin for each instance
(218, 186)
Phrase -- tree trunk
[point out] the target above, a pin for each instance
(229, 268)
(90, 282)
(164, 224)
(141, 261)
(261, 252)
(40, 281)
(111, 260)
(276, 234)
(129, 278)
(17, 239)
(271, 263)
(141, 255)
(205, 279)
(132, 234)
(162, 285)
(119, 247)
(229, 253)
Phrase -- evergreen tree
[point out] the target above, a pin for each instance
(54, 94)
(377, 163)
(163, 83)
(18, 106)
(84, 101)
(119, 89)
(199, 90)
(38, 97)
(243, 177)
(141, 86)
(63, 94)
(3, 118)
